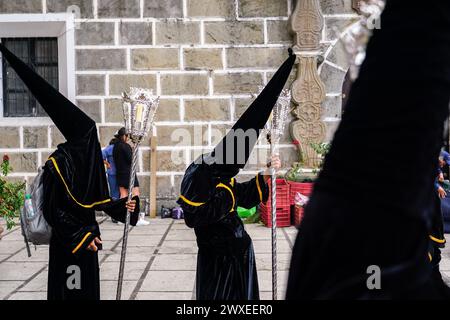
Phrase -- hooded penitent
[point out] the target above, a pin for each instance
(365, 231)
(209, 196)
(75, 186)
(233, 151)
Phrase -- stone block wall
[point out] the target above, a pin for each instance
(204, 58)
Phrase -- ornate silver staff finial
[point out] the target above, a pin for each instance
(139, 109)
(275, 129)
(280, 116)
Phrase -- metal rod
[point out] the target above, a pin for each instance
(274, 227)
(127, 223)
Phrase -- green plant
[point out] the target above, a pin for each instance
(297, 174)
(11, 195)
(321, 149)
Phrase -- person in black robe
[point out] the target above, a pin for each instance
(373, 220)
(226, 268)
(75, 187)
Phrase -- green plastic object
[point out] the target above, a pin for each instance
(245, 213)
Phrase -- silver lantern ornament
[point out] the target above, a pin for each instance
(139, 109)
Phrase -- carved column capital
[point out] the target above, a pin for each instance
(307, 23)
(356, 5)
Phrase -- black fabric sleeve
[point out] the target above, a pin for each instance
(118, 211)
(252, 193)
(220, 204)
(69, 224)
(128, 154)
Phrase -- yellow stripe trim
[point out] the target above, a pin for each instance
(81, 243)
(221, 185)
(195, 204)
(232, 182)
(88, 206)
(259, 188)
(436, 239)
(430, 257)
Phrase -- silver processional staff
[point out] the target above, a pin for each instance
(139, 108)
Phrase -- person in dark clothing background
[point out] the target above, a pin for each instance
(108, 160)
(74, 183)
(436, 234)
(351, 224)
(226, 268)
(122, 154)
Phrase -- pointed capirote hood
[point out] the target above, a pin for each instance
(233, 152)
(78, 162)
(68, 118)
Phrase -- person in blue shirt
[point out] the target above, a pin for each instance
(108, 159)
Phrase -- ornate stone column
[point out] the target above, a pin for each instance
(355, 5)
(308, 91)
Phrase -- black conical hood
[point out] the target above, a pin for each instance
(78, 163)
(68, 118)
(232, 153)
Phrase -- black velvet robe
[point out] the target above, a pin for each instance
(73, 221)
(75, 186)
(370, 205)
(226, 268)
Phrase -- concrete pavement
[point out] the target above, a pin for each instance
(161, 262)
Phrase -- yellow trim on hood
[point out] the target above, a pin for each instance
(259, 188)
(88, 206)
(221, 185)
(192, 203)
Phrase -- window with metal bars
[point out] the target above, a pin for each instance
(41, 54)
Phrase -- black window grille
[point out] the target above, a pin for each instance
(41, 54)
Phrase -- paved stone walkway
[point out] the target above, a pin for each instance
(161, 261)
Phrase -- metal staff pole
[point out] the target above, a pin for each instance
(274, 226)
(139, 108)
(276, 128)
(127, 223)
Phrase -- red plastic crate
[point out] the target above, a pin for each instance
(283, 216)
(280, 223)
(284, 221)
(281, 211)
(304, 188)
(283, 194)
(283, 205)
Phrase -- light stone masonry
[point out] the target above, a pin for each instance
(204, 59)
